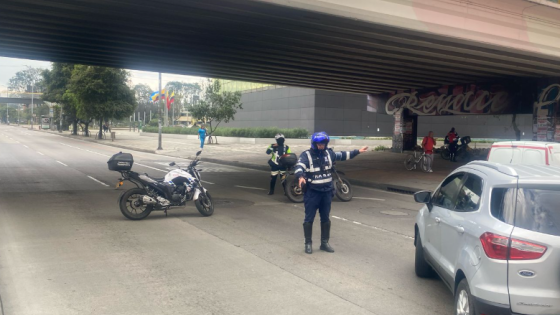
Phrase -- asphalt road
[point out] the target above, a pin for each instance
(65, 248)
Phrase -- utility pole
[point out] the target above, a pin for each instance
(32, 83)
(60, 122)
(159, 120)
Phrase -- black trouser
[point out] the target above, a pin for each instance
(452, 151)
(320, 200)
(275, 169)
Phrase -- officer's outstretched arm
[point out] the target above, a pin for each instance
(269, 149)
(348, 155)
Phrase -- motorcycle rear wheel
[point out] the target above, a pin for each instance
(293, 191)
(445, 154)
(131, 204)
(204, 204)
(344, 190)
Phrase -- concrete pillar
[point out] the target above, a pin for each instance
(546, 113)
(405, 131)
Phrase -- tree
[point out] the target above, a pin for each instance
(25, 78)
(142, 93)
(101, 93)
(217, 106)
(56, 83)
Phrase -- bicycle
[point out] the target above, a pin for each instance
(413, 159)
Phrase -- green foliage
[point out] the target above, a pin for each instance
(22, 79)
(101, 92)
(236, 132)
(380, 148)
(217, 106)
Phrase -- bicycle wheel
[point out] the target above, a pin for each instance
(409, 162)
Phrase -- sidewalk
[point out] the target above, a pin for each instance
(382, 170)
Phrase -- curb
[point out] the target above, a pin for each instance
(357, 182)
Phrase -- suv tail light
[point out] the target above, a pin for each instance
(503, 248)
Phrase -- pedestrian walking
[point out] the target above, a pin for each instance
(428, 144)
(202, 135)
(277, 150)
(314, 170)
(453, 139)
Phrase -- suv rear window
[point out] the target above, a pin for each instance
(537, 210)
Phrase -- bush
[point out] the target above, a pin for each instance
(380, 148)
(236, 132)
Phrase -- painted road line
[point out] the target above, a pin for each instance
(157, 169)
(61, 163)
(26, 146)
(364, 198)
(102, 183)
(373, 227)
(246, 187)
(40, 153)
(209, 183)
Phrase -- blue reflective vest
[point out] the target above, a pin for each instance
(316, 167)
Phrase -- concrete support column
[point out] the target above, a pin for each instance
(546, 114)
(405, 131)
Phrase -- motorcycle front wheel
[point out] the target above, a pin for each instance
(204, 204)
(445, 154)
(293, 191)
(131, 204)
(343, 190)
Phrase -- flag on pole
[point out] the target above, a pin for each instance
(163, 95)
(154, 97)
(170, 100)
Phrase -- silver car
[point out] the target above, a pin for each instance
(492, 234)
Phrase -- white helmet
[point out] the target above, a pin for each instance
(279, 136)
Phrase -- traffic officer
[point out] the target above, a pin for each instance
(314, 170)
(277, 150)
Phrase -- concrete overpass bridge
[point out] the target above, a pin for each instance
(18, 100)
(371, 46)
(467, 54)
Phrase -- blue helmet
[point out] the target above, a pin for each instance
(319, 137)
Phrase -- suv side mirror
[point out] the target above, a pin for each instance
(423, 196)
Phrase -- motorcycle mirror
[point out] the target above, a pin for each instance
(172, 164)
(198, 153)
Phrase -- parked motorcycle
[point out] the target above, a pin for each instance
(463, 153)
(159, 194)
(343, 188)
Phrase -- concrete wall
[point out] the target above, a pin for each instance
(477, 126)
(344, 114)
(287, 107)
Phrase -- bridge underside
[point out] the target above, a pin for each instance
(254, 41)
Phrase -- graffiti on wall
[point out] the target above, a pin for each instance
(546, 114)
(492, 99)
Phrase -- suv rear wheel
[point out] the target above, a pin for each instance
(464, 302)
(421, 266)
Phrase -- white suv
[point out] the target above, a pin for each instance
(492, 234)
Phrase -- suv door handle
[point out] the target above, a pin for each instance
(460, 229)
(438, 220)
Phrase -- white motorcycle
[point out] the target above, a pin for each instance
(152, 194)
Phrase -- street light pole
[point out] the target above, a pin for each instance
(60, 129)
(159, 120)
(32, 83)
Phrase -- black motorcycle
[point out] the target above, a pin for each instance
(462, 154)
(152, 194)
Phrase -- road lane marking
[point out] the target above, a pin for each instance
(364, 198)
(157, 169)
(26, 146)
(373, 227)
(61, 163)
(102, 183)
(209, 183)
(246, 187)
(40, 153)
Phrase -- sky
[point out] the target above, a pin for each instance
(9, 67)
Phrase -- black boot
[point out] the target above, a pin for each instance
(284, 186)
(325, 235)
(307, 232)
(272, 184)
